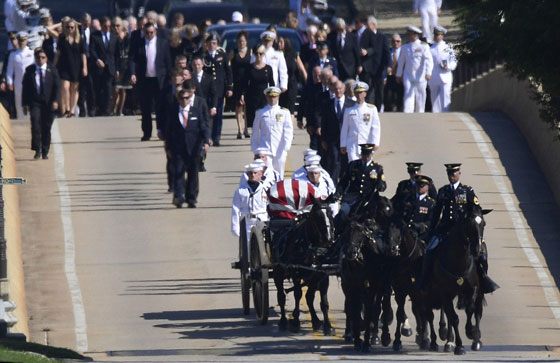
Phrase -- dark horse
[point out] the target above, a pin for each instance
(366, 270)
(304, 243)
(455, 275)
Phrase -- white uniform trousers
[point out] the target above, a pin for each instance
(414, 99)
(279, 163)
(441, 96)
(429, 17)
(18, 90)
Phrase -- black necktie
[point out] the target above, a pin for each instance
(41, 84)
(338, 108)
(340, 42)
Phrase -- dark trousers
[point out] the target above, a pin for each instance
(218, 121)
(189, 164)
(42, 118)
(150, 94)
(393, 93)
(86, 91)
(333, 161)
(375, 93)
(169, 167)
(105, 83)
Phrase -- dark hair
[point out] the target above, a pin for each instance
(38, 51)
(196, 57)
(287, 45)
(257, 46)
(149, 25)
(271, 27)
(104, 19)
(242, 33)
(182, 92)
(189, 84)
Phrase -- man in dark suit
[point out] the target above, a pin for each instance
(188, 134)
(104, 51)
(366, 39)
(308, 106)
(87, 87)
(40, 97)
(205, 86)
(344, 47)
(380, 60)
(393, 92)
(323, 60)
(330, 119)
(150, 68)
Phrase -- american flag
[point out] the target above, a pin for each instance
(290, 197)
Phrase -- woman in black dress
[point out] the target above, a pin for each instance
(295, 69)
(122, 83)
(240, 62)
(258, 78)
(70, 60)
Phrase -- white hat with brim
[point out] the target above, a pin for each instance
(262, 151)
(268, 35)
(312, 160)
(253, 167)
(272, 91)
(21, 35)
(360, 87)
(236, 16)
(438, 29)
(308, 152)
(313, 168)
(413, 29)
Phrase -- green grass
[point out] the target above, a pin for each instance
(18, 351)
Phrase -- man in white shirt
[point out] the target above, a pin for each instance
(414, 70)
(429, 11)
(19, 60)
(275, 59)
(442, 77)
(273, 130)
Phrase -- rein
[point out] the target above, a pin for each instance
(459, 279)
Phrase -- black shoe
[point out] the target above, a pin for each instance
(201, 168)
(177, 203)
(215, 143)
(45, 156)
(239, 136)
(145, 138)
(246, 134)
(82, 114)
(192, 205)
(37, 155)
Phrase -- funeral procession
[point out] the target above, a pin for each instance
(279, 181)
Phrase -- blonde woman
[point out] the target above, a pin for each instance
(122, 82)
(240, 61)
(70, 60)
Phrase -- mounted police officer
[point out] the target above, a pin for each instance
(363, 179)
(408, 186)
(418, 207)
(451, 204)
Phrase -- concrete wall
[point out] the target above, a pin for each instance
(496, 91)
(15, 285)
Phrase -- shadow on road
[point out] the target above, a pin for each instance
(529, 185)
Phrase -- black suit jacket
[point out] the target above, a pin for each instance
(367, 42)
(188, 141)
(108, 54)
(331, 123)
(381, 57)
(51, 85)
(206, 89)
(348, 58)
(315, 61)
(138, 61)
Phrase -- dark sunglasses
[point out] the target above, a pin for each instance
(41, 57)
(186, 97)
(260, 53)
(395, 41)
(150, 33)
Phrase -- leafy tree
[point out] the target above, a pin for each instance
(523, 33)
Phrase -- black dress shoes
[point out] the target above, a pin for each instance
(178, 203)
(192, 205)
(37, 155)
(145, 138)
(45, 156)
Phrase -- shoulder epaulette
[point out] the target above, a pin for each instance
(284, 108)
(370, 105)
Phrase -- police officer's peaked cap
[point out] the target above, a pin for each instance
(268, 35)
(452, 168)
(360, 87)
(272, 91)
(422, 180)
(322, 45)
(413, 29)
(212, 36)
(367, 148)
(413, 166)
(438, 29)
(22, 35)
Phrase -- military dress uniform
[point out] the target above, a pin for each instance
(428, 13)
(418, 214)
(442, 79)
(415, 62)
(273, 130)
(269, 178)
(19, 60)
(249, 203)
(324, 188)
(217, 65)
(359, 183)
(360, 125)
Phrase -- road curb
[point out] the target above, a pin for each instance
(15, 284)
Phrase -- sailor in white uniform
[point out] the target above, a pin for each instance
(442, 75)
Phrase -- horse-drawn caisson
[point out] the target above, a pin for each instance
(376, 246)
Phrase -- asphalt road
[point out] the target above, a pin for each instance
(155, 282)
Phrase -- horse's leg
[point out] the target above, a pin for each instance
(294, 322)
(433, 336)
(453, 321)
(400, 298)
(323, 290)
(372, 324)
(477, 343)
(387, 318)
(347, 312)
(442, 326)
(312, 284)
(281, 296)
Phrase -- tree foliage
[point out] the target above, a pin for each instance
(525, 34)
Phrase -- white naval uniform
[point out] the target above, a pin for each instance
(301, 174)
(273, 130)
(269, 178)
(442, 80)
(323, 190)
(360, 125)
(10, 9)
(249, 205)
(18, 61)
(275, 59)
(415, 62)
(428, 13)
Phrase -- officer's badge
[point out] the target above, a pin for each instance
(475, 201)
(460, 281)
(367, 117)
(423, 210)
(373, 174)
(462, 199)
(279, 117)
(383, 177)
